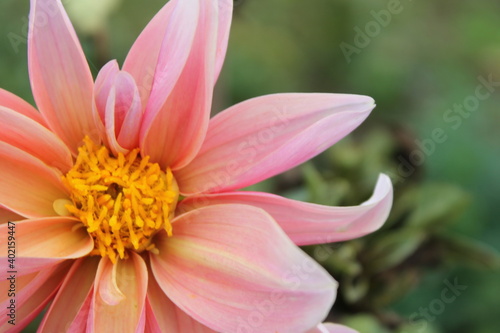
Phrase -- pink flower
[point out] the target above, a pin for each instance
(93, 181)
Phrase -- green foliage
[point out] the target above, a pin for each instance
(378, 270)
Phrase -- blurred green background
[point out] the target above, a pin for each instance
(423, 62)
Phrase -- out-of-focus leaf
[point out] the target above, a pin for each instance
(391, 249)
(354, 288)
(403, 205)
(299, 193)
(263, 186)
(324, 192)
(420, 326)
(469, 251)
(346, 155)
(365, 323)
(394, 289)
(339, 260)
(438, 204)
(314, 181)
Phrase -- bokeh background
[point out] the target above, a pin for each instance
(424, 63)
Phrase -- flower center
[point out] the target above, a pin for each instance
(123, 202)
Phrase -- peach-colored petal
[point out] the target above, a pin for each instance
(159, 54)
(44, 242)
(128, 99)
(123, 114)
(35, 139)
(33, 292)
(307, 223)
(102, 87)
(265, 136)
(225, 263)
(225, 17)
(61, 80)
(177, 116)
(119, 296)
(164, 316)
(29, 187)
(332, 328)
(6, 215)
(11, 101)
(119, 108)
(68, 311)
(165, 30)
(103, 84)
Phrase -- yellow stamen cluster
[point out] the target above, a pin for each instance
(123, 202)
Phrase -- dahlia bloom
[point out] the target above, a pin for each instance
(123, 190)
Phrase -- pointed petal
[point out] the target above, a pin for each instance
(28, 135)
(177, 116)
(128, 106)
(225, 17)
(68, 311)
(11, 101)
(61, 80)
(103, 84)
(102, 88)
(6, 215)
(42, 243)
(307, 223)
(123, 114)
(119, 108)
(265, 136)
(225, 262)
(165, 42)
(332, 328)
(111, 312)
(164, 316)
(29, 187)
(33, 292)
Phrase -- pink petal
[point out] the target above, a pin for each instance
(6, 215)
(307, 223)
(332, 328)
(110, 125)
(119, 108)
(19, 105)
(33, 292)
(41, 243)
(102, 88)
(265, 136)
(61, 80)
(225, 17)
(164, 316)
(177, 116)
(28, 135)
(123, 114)
(29, 187)
(128, 99)
(68, 312)
(230, 266)
(166, 41)
(103, 84)
(119, 296)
